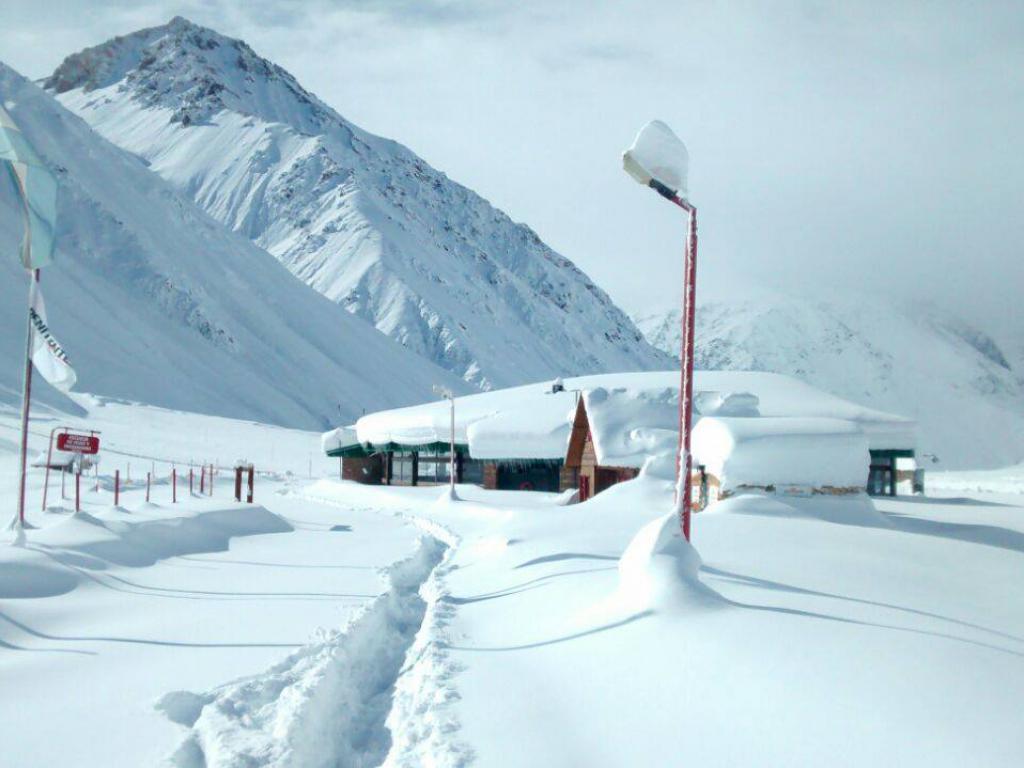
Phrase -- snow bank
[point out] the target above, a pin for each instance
(629, 425)
(659, 570)
(56, 559)
(845, 510)
(1005, 480)
(809, 453)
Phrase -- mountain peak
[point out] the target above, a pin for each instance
(361, 219)
(193, 71)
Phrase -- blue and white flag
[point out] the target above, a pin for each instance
(38, 191)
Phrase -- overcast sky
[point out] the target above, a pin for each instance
(871, 145)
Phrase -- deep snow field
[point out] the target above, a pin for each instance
(331, 624)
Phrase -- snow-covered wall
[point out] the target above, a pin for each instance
(799, 452)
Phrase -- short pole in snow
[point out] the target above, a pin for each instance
(174, 485)
(202, 480)
(63, 476)
(117, 487)
(252, 474)
(190, 481)
(78, 492)
(148, 480)
(211, 479)
(128, 477)
(96, 476)
(238, 483)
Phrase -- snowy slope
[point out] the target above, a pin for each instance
(156, 302)
(340, 624)
(965, 392)
(361, 219)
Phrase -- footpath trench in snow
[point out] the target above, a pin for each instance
(335, 702)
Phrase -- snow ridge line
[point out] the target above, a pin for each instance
(328, 704)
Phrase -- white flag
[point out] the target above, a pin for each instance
(48, 355)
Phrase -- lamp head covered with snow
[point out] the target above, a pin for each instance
(658, 159)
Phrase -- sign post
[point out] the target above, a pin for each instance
(65, 441)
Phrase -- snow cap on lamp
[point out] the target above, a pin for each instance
(657, 155)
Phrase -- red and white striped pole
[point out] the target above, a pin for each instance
(684, 459)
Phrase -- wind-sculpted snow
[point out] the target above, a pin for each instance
(158, 303)
(361, 219)
(56, 560)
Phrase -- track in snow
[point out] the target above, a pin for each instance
(328, 703)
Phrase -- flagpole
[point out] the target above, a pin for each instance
(26, 397)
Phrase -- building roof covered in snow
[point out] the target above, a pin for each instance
(809, 452)
(632, 416)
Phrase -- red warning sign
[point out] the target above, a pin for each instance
(69, 441)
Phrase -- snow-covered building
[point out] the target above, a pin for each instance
(753, 431)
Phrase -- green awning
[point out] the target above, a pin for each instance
(892, 454)
(349, 451)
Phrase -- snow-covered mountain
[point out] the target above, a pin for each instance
(157, 302)
(964, 389)
(360, 218)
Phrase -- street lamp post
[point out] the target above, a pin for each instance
(658, 159)
(448, 395)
